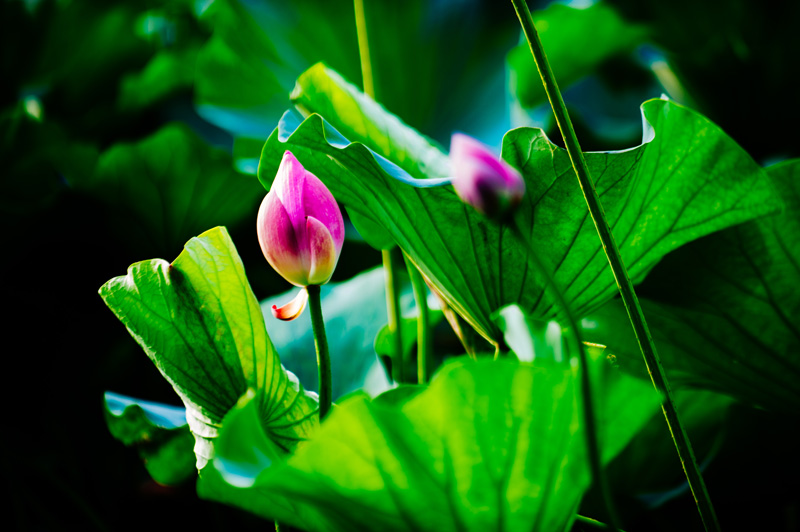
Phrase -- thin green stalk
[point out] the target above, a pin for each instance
(363, 48)
(321, 344)
(646, 344)
(389, 263)
(423, 321)
(593, 523)
(589, 416)
(390, 268)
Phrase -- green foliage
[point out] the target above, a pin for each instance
(323, 91)
(93, 171)
(577, 41)
(169, 187)
(168, 72)
(730, 328)
(424, 461)
(622, 404)
(33, 153)
(729, 57)
(199, 322)
(662, 194)
(428, 462)
(649, 464)
(159, 432)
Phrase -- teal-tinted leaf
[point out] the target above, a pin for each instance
(354, 311)
(728, 320)
(199, 322)
(577, 42)
(169, 187)
(686, 180)
(158, 431)
(446, 75)
(132, 420)
(322, 91)
(248, 67)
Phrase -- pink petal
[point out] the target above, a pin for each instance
(481, 179)
(319, 203)
(289, 186)
(293, 308)
(324, 253)
(279, 243)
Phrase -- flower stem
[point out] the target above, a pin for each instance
(321, 344)
(389, 263)
(593, 523)
(423, 321)
(390, 268)
(592, 444)
(363, 48)
(646, 344)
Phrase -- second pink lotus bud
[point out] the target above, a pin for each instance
(492, 186)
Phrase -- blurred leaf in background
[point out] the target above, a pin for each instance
(159, 432)
(446, 75)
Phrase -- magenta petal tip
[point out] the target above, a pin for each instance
(489, 184)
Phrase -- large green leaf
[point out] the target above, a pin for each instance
(728, 320)
(199, 322)
(159, 432)
(577, 42)
(489, 445)
(360, 119)
(686, 180)
(622, 404)
(168, 187)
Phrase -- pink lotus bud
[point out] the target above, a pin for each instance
(300, 229)
(483, 180)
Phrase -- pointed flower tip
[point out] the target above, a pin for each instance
(492, 186)
(300, 225)
(293, 308)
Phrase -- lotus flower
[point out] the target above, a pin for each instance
(492, 186)
(301, 231)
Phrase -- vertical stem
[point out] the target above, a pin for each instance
(592, 443)
(423, 321)
(321, 344)
(393, 307)
(363, 48)
(389, 263)
(646, 344)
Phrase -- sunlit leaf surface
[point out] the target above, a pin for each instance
(686, 180)
(199, 322)
(732, 326)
